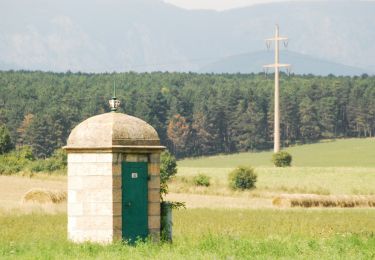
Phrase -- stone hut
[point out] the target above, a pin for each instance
(113, 179)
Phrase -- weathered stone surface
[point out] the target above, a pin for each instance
(90, 157)
(155, 234)
(154, 169)
(154, 222)
(154, 182)
(153, 195)
(110, 129)
(155, 158)
(93, 168)
(154, 209)
(117, 234)
(98, 236)
(92, 182)
(96, 149)
(116, 169)
(117, 208)
(94, 195)
(93, 208)
(136, 158)
(93, 222)
(117, 158)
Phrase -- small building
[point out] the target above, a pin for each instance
(113, 179)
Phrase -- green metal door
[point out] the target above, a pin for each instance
(134, 201)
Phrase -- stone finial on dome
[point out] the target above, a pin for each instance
(114, 104)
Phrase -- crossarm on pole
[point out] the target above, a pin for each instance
(276, 66)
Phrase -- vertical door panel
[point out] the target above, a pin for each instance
(134, 200)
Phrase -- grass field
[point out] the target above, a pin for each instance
(207, 234)
(327, 168)
(330, 153)
(220, 223)
(271, 180)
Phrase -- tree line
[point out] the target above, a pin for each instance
(194, 114)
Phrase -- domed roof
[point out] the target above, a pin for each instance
(112, 130)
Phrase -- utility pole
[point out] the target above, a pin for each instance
(276, 66)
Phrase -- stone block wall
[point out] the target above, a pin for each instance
(92, 200)
(95, 195)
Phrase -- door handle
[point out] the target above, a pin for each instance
(128, 204)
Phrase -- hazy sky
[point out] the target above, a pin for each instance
(227, 4)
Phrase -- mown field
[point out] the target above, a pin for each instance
(207, 234)
(331, 167)
(220, 223)
(329, 153)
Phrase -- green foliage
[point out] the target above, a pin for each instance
(58, 161)
(282, 159)
(168, 169)
(242, 178)
(219, 113)
(15, 161)
(25, 152)
(47, 133)
(201, 180)
(23, 159)
(5, 141)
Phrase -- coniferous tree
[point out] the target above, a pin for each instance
(309, 129)
(5, 140)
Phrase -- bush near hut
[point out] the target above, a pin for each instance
(242, 178)
(282, 159)
(168, 169)
(202, 180)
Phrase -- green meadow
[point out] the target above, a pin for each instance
(332, 167)
(329, 168)
(328, 153)
(207, 234)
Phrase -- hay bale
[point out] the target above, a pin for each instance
(326, 201)
(45, 196)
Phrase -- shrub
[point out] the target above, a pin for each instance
(25, 152)
(282, 159)
(201, 180)
(242, 178)
(9, 169)
(57, 161)
(168, 168)
(15, 161)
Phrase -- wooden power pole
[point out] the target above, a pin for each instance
(276, 66)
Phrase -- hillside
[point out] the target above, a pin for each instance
(335, 153)
(300, 64)
(150, 35)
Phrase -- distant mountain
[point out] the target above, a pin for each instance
(148, 35)
(300, 64)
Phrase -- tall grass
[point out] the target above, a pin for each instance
(207, 234)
